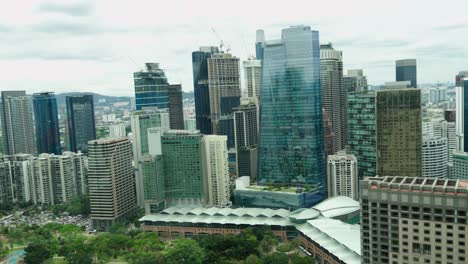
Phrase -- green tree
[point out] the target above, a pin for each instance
(253, 259)
(144, 258)
(147, 242)
(296, 259)
(37, 252)
(77, 250)
(276, 258)
(185, 251)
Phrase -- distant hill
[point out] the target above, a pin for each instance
(109, 99)
(96, 97)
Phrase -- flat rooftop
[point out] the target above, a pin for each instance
(418, 184)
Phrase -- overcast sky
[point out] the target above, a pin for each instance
(96, 46)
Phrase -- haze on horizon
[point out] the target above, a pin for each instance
(95, 46)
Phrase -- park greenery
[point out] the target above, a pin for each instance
(55, 243)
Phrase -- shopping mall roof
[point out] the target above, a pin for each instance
(336, 206)
(341, 239)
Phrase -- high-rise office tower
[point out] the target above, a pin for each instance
(176, 107)
(46, 122)
(362, 131)
(459, 170)
(216, 170)
(435, 157)
(291, 125)
(333, 93)
(355, 81)
(246, 137)
(183, 167)
(399, 132)
(110, 180)
(459, 78)
(246, 124)
(154, 183)
(225, 92)
(342, 175)
(151, 87)
(328, 135)
(141, 121)
(259, 44)
(81, 122)
(462, 115)
(17, 123)
(200, 87)
(405, 70)
(6, 184)
(253, 77)
(413, 220)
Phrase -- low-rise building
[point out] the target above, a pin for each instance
(326, 239)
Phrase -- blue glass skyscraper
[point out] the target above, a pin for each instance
(291, 130)
(200, 88)
(151, 87)
(405, 70)
(80, 120)
(259, 44)
(46, 122)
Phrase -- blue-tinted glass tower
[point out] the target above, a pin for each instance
(201, 89)
(405, 70)
(81, 122)
(291, 130)
(259, 44)
(46, 122)
(151, 87)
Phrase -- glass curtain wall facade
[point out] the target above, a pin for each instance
(406, 71)
(399, 132)
(200, 87)
(291, 126)
(47, 124)
(362, 132)
(183, 169)
(81, 122)
(151, 87)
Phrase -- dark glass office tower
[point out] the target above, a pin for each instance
(259, 44)
(46, 121)
(81, 122)
(406, 71)
(200, 87)
(399, 132)
(176, 107)
(151, 87)
(291, 125)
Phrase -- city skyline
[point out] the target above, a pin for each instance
(93, 50)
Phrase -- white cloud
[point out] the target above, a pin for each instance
(91, 45)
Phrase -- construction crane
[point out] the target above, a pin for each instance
(221, 42)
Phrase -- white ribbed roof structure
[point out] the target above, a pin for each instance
(339, 238)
